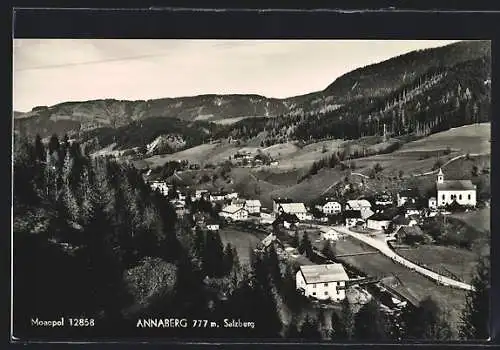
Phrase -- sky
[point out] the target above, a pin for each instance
(50, 71)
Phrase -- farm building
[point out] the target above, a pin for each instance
(297, 209)
(331, 207)
(383, 199)
(323, 282)
(361, 205)
(217, 196)
(409, 233)
(234, 213)
(232, 195)
(353, 218)
(212, 226)
(379, 221)
(160, 186)
(410, 210)
(239, 202)
(287, 220)
(461, 191)
(278, 201)
(407, 196)
(253, 206)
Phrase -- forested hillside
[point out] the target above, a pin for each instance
(403, 91)
(437, 100)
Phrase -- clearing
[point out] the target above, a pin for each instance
(243, 241)
(448, 261)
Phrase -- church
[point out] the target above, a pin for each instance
(461, 191)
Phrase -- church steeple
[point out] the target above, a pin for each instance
(440, 176)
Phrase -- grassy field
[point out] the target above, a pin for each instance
(478, 220)
(469, 138)
(460, 262)
(242, 240)
(451, 300)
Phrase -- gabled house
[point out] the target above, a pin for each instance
(353, 218)
(331, 208)
(383, 199)
(297, 209)
(217, 196)
(361, 205)
(410, 234)
(253, 206)
(322, 282)
(234, 213)
(232, 195)
(287, 220)
(278, 201)
(379, 221)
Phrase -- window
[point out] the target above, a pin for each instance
(326, 293)
(460, 197)
(314, 285)
(326, 284)
(338, 292)
(444, 197)
(469, 196)
(314, 293)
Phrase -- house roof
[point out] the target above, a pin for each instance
(293, 207)
(456, 185)
(382, 216)
(359, 203)
(231, 209)
(253, 202)
(401, 220)
(324, 273)
(410, 192)
(410, 231)
(352, 214)
(331, 202)
(239, 201)
(282, 200)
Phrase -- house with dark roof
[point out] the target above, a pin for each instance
(323, 282)
(409, 195)
(410, 234)
(353, 218)
(461, 191)
(380, 221)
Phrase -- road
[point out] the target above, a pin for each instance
(381, 246)
(450, 161)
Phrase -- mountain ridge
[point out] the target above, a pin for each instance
(371, 81)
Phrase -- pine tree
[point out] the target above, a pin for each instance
(476, 316)
(370, 323)
(425, 322)
(346, 327)
(305, 246)
(310, 329)
(292, 331)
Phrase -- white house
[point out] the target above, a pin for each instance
(432, 203)
(278, 201)
(383, 199)
(234, 213)
(461, 191)
(378, 221)
(331, 207)
(253, 206)
(161, 186)
(217, 197)
(298, 209)
(199, 193)
(213, 227)
(331, 235)
(411, 210)
(361, 205)
(266, 218)
(323, 282)
(232, 195)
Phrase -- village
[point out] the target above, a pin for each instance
(379, 222)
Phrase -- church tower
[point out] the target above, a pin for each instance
(440, 177)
